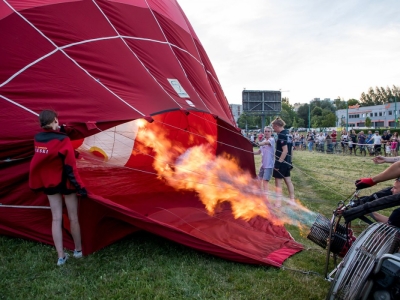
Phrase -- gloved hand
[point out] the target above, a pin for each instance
(364, 183)
(82, 192)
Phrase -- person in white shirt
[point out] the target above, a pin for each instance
(296, 139)
(267, 150)
(321, 142)
(344, 140)
(377, 143)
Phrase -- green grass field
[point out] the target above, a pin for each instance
(144, 266)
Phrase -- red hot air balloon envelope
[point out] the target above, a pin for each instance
(101, 65)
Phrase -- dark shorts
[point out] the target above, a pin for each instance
(60, 189)
(282, 172)
(377, 148)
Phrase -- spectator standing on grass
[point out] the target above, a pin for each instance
(370, 142)
(328, 140)
(267, 150)
(395, 141)
(53, 171)
(361, 142)
(333, 135)
(389, 134)
(252, 138)
(310, 141)
(283, 159)
(385, 142)
(393, 146)
(377, 143)
(302, 142)
(315, 135)
(352, 142)
(296, 138)
(344, 140)
(321, 142)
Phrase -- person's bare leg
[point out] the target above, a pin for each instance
(290, 187)
(71, 201)
(265, 186)
(56, 230)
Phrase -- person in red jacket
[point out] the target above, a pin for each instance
(53, 171)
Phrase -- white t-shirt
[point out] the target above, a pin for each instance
(377, 139)
(321, 139)
(268, 153)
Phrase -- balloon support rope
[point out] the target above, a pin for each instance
(302, 271)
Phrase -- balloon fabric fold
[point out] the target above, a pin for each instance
(113, 70)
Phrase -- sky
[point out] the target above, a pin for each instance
(308, 48)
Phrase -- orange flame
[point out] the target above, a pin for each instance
(218, 179)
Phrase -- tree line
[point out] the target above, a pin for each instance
(322, 113)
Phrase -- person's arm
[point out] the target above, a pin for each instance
(381, 159)
(391, 172)
(265, 142)
(283, 154)
(66, 152)
(257, 152)
(379, 218)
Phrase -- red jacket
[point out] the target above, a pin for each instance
(53, 162)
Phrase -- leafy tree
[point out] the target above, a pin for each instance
(295, 124)
(327, 104)
(365, 100)
(317, 111)
(252, 121)
(340, 103)
(379, 95)
(352, 102)
(301, 123)
(287, 114)
(328, 119)
(302, 113)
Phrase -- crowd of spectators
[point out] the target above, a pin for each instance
(350, 142)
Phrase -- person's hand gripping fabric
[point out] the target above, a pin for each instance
(364, 183)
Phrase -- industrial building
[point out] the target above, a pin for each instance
(381, 116)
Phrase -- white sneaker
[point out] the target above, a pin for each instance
(62, 261)
(77, 254)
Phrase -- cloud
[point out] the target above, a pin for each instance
(312, 48)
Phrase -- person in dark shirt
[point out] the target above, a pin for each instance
(392, 172)
(53, 171)
(333, 135)
(394, 218)
(361, 142)
(283, 158)
(352, 142)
